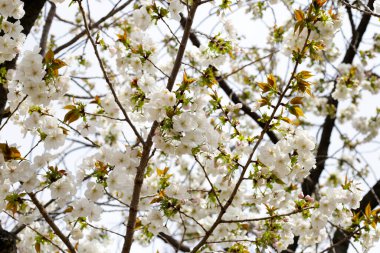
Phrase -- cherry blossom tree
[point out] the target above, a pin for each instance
(207, 126)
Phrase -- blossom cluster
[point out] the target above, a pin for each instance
(12, 37)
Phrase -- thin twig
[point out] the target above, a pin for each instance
(108, 81)
(13, 112)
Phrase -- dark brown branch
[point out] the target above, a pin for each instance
(182, 46)
(234, 98)
(7, 242)
(173, 242)
(51, 223)
(138, 182)
(308, 186)
(46, 29)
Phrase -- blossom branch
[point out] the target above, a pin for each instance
(268, 217)
(139, 179)
(245, 168)
(230, 93)
(110, 85)
(341, 239)
(51, 223)
(138, 182)
(209, 181)
(32, 10)
(308, 186)
(182, 46)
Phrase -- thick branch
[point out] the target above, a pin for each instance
(138, 182)
(139, 179)
(46, 29)
(182, 46)
(7, 242)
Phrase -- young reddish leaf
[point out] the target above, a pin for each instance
(155, 200)
(320, 3)
(296, 101)
(69, 107)
(69, 209)
(367, 211)
(375, 212)
(37, 247)
(264, 87)
(299, 15)
(57, 64)
(10, 153)
(96, 100)
(272, 81)
(138, 224)
(49, 56)
(187, 80)
(71, 116)
(296, 111)
(304, 74)
(162, 172)
(287, 120)
(122, 37)
(263, 101)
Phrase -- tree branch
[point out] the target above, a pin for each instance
(51, 223)
(139, 179)
(108, 81)
(173, 242)
(46, 29)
